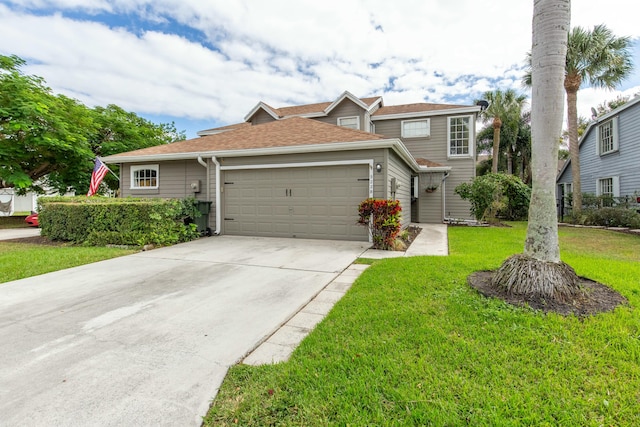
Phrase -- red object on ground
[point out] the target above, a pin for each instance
(32, 220)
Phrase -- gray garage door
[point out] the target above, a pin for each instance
(318, 202)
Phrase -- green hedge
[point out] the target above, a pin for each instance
(99, 221)
(612, 217)
(496, 196)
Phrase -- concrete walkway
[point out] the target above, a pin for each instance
(432, 241)
(19, 233)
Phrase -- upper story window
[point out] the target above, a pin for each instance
(144, 177)
(349, 122)
(607, 136)
(416, 128)
(459, 136)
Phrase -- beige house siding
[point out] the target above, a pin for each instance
(397, 169)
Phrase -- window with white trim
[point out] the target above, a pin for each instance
(349, 122)
(416, 128)
(607, 135)
(609, 186)
(459, 136)
(144, 177)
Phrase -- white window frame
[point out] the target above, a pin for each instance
(568, 188)
(615, 185)
(138, 168)
(357, 118)
(471, 138)
(614, 135)
(426, 134)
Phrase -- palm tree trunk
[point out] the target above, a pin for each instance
(497, 124)
(572, 84)
(539, 273)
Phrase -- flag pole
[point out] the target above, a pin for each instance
(105, 165)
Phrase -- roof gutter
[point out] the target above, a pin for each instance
(449, 111)
(393, 143)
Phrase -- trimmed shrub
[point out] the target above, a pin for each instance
(495, 196)
(612, 217)
(382, 216)
(100, 221)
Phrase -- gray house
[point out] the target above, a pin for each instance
(301, 171)
(609, 155)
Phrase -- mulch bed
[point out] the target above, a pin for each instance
(597, 298)
(37, 240)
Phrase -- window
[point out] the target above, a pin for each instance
(607, 135)
(460, 136)
(609, 186)
(416, 128)
(349, 122)
(144, 177)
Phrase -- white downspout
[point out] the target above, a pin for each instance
(206, 165)
(218, 207)
(444, 205)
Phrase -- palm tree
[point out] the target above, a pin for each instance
(538, 272)
(504, 109)
(602, 60)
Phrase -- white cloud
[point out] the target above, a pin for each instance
(282, 52)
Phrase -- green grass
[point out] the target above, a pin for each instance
(19, 260)
(412, 344)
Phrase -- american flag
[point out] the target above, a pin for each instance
(99, 171)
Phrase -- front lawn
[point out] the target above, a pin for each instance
(20, 260)
(412, 344)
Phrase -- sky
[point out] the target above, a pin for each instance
(207, 63)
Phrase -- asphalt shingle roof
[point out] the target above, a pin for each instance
(414, 108)
(294, 131)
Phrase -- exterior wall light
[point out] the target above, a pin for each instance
(378, 167)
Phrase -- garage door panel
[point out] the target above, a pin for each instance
(306, 202)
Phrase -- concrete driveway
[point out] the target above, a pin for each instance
(147, 339)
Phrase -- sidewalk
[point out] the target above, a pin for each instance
(432, 241)
(18, 233)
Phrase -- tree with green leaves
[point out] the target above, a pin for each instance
(601, 59)
(40, 133)
(504, 110)
(538, 273)
(52, 140)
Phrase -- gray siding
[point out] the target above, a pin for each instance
(174, 181)
(622, 163)
(345, 109)
(429, 205)
(435, 148)
(261, 117)
(402, 173)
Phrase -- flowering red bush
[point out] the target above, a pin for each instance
(382, 216)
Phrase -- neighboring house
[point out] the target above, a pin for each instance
(11, 202)
(301, 171)
(609, 155)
